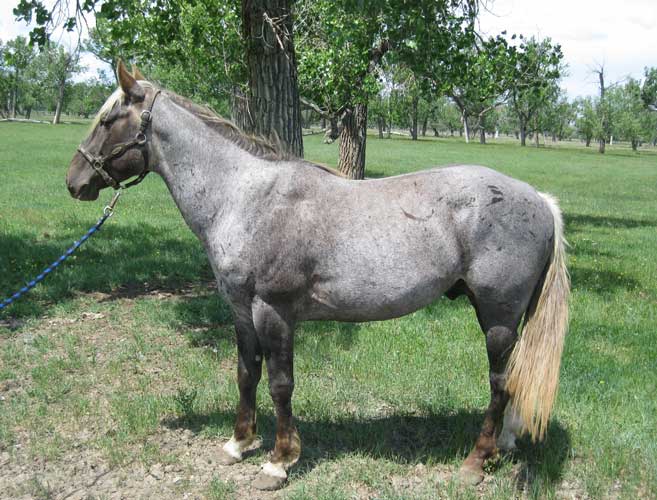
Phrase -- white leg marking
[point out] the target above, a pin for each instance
(275, 470)
(233, 448)
(511, 429)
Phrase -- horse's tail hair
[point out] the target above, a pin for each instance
(532, 373)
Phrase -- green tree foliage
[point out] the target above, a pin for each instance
(194, 48)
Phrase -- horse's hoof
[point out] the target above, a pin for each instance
(470, 477)
(265, 482)
(223, 458)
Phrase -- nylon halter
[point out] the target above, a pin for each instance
(100, 163)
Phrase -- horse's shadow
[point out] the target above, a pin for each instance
(430, 438)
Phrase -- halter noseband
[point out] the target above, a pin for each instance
(100, 163)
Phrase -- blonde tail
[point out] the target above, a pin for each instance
(532, 374)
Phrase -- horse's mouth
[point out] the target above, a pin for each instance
(84, 193)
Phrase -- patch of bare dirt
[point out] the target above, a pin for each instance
(188, 474)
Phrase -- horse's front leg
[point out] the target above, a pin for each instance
(249, 370)
(275, 331)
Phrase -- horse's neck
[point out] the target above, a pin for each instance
(197, 165)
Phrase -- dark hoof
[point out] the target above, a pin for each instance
(470, 477)
(266, 482)
(226, 459)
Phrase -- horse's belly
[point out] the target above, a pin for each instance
(375, 296)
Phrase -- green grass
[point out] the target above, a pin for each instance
(128, 341)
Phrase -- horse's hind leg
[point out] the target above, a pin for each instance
(511, 429)
(249, 370)
(276, 333)
(501, 337)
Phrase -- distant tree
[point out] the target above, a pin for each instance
(62, 64)
(649, 89)
(603, 110)
(18, 55)
(5, 83)
(445, 116)
(586, 121)
(379, 112)
(533, 82)
(558, 116)
(508, 121)
(410, 109)
(633, 122)
(87, 97)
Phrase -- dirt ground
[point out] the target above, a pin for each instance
(86, 475)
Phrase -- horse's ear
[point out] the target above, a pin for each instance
(129, 85)
(136, 73)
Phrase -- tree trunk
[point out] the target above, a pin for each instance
(482, 135)
(14, 95)
(239, 110)
(413, 128)
(537, 135)
(332, 132)
(435, 132)
(272, 69)
(381, 123)
(466, 133)
(601, 146)
(425, 124)
(523, 133)
(60, 102)
(28, 113)
(588, 141)
(635, 144)
(352, 142)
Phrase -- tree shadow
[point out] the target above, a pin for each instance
(574, 222)
(434, 437)
(121, 262)
(601, 281)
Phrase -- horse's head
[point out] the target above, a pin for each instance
(117, 147)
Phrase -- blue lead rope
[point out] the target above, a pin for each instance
(107, 213)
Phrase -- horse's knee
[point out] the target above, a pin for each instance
(281, 388)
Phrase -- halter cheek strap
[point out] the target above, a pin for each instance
(100, 163)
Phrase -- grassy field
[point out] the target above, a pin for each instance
(117, 375)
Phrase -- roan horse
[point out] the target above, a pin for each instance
(290, 241)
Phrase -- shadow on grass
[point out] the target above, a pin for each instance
(433, 438)
(601, 281)
(575, 221)
(124, 262)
